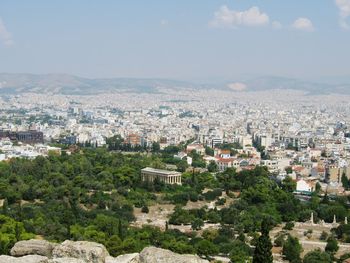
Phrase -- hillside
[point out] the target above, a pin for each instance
(73, 85)
(65, 84)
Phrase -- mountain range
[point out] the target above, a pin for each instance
(11, 83)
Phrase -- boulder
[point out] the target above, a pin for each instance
(90, 252)
(24, 259)
(33, 247)
(66, 260)
(159, 255)
(126, 258)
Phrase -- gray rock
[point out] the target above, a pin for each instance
(159, 255)
(126, 258)
(24, 259)
(33, 247)
(90, 252)
(66, 260)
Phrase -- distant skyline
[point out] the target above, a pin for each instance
(204, 40)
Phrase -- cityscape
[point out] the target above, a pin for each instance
(132, 166)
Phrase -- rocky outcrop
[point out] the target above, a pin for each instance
(66, 260)
(33, 247)
(127, 258)
(159, 255)
(24, 259)
(88, 252)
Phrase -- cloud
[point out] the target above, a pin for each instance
(276, 25)
(164, 22)
(237, 86)
(5, 36)
(344, 12)
(225, 17)
(303, 24)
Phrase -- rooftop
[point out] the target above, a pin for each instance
(159, 171)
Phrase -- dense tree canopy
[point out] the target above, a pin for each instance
(92, 194)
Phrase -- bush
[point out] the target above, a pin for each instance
(193, 196)
(221, 201)
(317, 256)
(145, 209)
(332, 245)
(197, 224)
(289, 226)
(324, 236)
(279, 241)
(212, 195)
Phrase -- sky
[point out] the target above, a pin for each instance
(181, 39)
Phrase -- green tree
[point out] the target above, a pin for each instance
(240, 252)
(206, 248)
(197, 224)
(292, 249)
(155, 147)
(262, 252)
(209, 151)
(212, 167)
(317, 256)
(345, 181)
(11, 231)
(289, 184)
(318, 187)
(332, 245)
(182, 166)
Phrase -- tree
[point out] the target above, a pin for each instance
(155, 147)
(332, 245)
(292, 249)
(288, 184)
(240, 252)
(324, 235)
(206, 248)
(182, 166)
(325, 199)
(262, 252)
(212, 167)
(289, 226)
(120, 230)
(197, 224)
(317, 256)
(11, 231)
(209, 151)
(318, 187)
(345, 181)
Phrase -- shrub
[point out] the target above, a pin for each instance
(145, 209)
(289, 226)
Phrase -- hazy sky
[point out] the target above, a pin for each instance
(183, 39)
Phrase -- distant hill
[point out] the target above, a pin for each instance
(280, 83)
(73, 85)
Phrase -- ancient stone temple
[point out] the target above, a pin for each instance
(165, 176)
